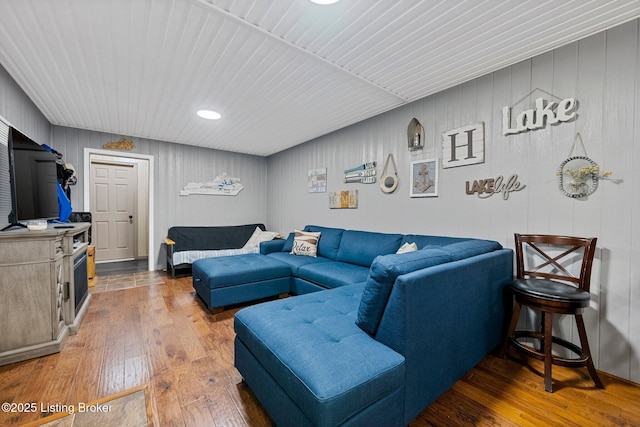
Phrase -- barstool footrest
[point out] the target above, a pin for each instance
(574, 362)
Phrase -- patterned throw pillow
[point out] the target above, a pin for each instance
(305, 243)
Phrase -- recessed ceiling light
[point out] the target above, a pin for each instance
(209, 115)
(325, 1)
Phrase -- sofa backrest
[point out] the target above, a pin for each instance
(429, 241)
(383, 273)
(362, 247)
(469, 248)
(329, 241)
(386, 269)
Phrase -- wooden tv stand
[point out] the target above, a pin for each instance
(37, 310)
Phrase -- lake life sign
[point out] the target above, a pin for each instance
(463, 146)
(536, 118)
(485, 188)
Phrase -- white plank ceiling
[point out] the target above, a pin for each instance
(281, 72)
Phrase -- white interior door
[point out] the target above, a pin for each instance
(113, 205)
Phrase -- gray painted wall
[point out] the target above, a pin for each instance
(20, 111)
(602, 73)
(16, 109)
(175, 165)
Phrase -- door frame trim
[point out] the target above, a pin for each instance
(86, 187)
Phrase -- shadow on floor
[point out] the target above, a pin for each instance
(121, 267)
(123, 275)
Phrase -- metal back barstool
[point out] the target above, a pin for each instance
(544, 283)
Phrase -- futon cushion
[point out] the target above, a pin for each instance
(333, 274)
(204, 238)
(312, 348)
(361, 247)
(384, 271)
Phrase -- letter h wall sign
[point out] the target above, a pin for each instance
(463, 146)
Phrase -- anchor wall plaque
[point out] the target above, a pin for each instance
(424, 178)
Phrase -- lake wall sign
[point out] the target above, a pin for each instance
(536, 118)
(485, 188)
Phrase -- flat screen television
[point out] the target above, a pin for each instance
(34, 181)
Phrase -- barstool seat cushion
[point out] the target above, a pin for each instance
(551, 290)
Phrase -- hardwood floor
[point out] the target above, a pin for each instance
(162, 336)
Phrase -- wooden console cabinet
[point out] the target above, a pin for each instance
(37, 309)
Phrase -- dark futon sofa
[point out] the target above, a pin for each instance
(187, 244)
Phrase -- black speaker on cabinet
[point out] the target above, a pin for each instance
(81, 217)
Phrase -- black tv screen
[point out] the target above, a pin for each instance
(34, 180)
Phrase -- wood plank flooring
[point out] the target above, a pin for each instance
(162, 336)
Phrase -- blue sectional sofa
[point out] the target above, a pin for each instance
(375, 336)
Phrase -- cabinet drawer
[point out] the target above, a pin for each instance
(30, 251)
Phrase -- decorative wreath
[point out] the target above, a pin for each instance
(578, 177)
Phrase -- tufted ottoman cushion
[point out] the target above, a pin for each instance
(235, 279)
(309, 349)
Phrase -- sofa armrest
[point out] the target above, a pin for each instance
(170, 249)
(271, 246)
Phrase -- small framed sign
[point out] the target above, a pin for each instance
(346, 199)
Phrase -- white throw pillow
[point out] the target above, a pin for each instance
(407, 247)
(259, 236)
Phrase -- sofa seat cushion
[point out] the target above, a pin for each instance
(333, 274)
(311, 347)
(362, 247)
(384, 271)
(234, 270)
(296, 261)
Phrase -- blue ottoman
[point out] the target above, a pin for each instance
(236, 279)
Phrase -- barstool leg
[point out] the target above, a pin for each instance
(584, 342)
(548, 343)
(512, 327)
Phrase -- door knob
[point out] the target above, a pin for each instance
(130, 219)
